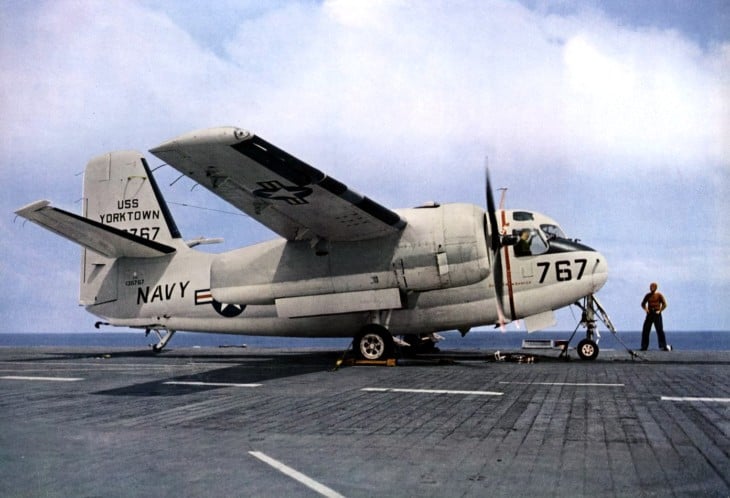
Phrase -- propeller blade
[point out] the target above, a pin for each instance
(499, 287)
(495, 244)
(494, 239)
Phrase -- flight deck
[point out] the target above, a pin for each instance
(261, 422)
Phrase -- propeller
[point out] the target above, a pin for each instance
(494, 241)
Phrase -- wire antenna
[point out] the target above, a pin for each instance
(207, 208)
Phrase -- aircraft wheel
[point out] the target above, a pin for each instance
(587, 350)
(374, 343)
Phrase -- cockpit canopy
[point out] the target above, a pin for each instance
(552, 231)
(534, 233)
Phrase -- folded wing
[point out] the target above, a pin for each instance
(290, 197)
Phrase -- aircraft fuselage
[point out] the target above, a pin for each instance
(432, 276)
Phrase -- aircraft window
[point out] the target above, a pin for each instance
(429, 204)
(522, 216)
(529, 242)
(553, 232)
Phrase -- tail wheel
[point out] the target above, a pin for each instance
(374, 343)
(587, 350)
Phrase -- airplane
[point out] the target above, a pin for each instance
(342, 265)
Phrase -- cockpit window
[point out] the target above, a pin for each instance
(553, 231)
(529, 242)
(522, 216)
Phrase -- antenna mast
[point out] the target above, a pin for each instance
(501, 198)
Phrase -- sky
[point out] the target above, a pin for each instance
(611, 117)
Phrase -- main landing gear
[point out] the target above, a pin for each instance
(374, 342)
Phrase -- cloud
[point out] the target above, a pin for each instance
(656, 98)
(495, 75)
(571, 89)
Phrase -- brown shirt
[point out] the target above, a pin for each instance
(655, 300)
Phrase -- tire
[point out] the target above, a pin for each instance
(374, 343)
(587, 350)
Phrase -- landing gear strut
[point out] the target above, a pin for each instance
(592, 309)
(163, 339)
(588, 348)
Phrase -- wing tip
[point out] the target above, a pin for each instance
(32, 207)
(225, 135)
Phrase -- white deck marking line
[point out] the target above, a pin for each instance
(110, 364)
(428, 391)
(296, 475)
(580, 384)
(688, 398)
(51, 379)
(213, 384)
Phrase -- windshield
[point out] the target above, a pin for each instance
(553, 231)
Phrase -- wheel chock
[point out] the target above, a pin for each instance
(390, 362)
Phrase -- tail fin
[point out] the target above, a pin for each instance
(124, 215)
(120, 191)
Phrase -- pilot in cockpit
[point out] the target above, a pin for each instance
(522, 247)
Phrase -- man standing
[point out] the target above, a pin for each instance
(653, 303)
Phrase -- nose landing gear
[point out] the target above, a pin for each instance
(587, 349)
(591, 309)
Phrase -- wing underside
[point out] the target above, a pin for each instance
(290, 197)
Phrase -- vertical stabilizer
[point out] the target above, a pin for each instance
(120, 191)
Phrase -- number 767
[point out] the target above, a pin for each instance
(564, 269)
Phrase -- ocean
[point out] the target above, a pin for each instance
(475, 340)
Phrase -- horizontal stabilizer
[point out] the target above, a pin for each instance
(103, 239)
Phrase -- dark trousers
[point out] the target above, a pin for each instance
(656, 320)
